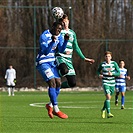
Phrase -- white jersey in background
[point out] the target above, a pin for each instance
(10, 76)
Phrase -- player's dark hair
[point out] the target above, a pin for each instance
(64, 16)
(60, 20)
(121, 60)
(55, 24)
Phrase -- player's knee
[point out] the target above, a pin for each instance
(58, 83)
(63, 69)
(52, 83)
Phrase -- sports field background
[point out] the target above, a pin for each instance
(26, 113)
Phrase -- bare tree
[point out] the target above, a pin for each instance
(99, 25)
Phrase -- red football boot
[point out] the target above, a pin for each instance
(50, 111)
(60, 114)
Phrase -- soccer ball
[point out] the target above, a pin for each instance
(57, 12)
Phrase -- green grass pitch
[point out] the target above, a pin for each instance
(26, 113)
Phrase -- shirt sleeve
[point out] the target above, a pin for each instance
(45, 45)
(99, 69)
(6, 75)
(126, 73)
(62, 44)
(77, 48)
(14, 74)
(117, 70)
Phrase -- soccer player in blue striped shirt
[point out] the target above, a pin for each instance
(51, 41)
(121, 84)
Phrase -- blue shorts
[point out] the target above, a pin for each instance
(120, 88)
(48, 71)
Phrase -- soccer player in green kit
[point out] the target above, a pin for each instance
(107, 71)
(64, 60)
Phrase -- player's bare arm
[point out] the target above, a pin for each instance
(91, 61)
(100, 76)
(53, 38)
(128, 77)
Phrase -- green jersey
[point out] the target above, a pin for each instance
(72, 45)
(105, 68)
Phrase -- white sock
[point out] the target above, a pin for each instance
(13, 91)
(56, 109)
(9, 91)
(50, 104)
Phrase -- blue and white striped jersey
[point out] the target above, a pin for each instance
(48, 48)
(121, 81)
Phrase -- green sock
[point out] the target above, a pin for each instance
(65, 85)
(104, 106)
(108, 106)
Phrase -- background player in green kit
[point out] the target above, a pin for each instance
(107, 71)
(64, 60)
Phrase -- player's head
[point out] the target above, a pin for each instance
(56, 28)
(108, 56)
(63, 17)
(10, 66)
(65, 21)
(121, 63)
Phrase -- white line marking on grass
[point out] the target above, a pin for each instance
(37, 104)
(42, 105)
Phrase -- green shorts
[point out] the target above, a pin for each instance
(109, 89)
(68, 63)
